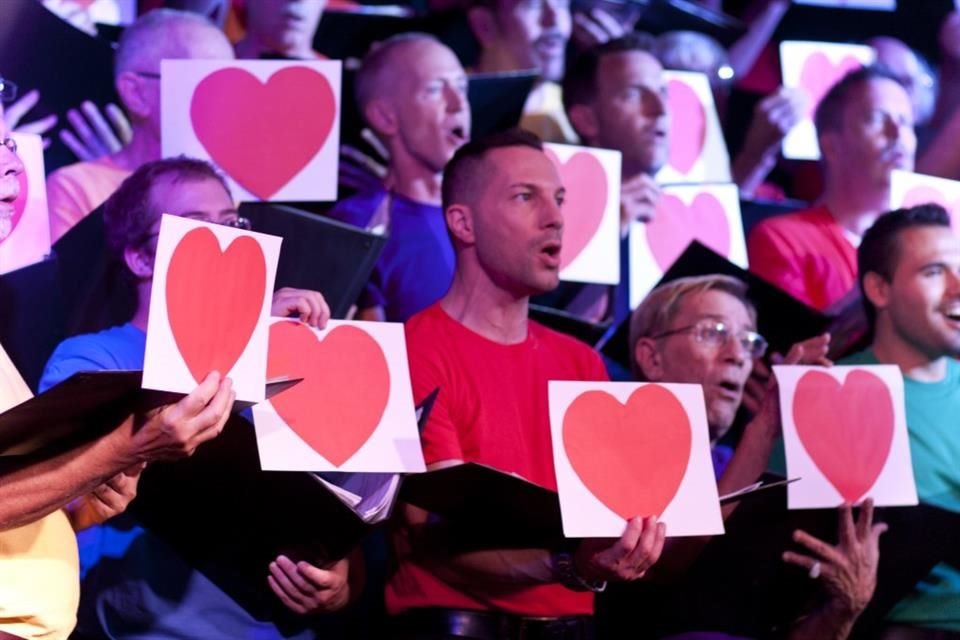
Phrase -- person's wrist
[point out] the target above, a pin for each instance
(566, 573)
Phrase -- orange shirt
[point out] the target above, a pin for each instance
(77, 189)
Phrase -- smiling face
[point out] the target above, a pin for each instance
(721, 369)
(919, 308)
(10, 168)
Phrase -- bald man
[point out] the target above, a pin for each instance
(412, 92)
(76, 190)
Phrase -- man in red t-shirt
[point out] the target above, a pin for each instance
(502, 201)
(865, 129)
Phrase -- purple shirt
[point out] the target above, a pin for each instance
(416, 266)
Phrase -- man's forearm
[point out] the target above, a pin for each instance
(497, 568)
(826, 623)
(33, 490)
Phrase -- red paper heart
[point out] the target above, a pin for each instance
(586, 183)
(927, 195)
(846, 429)
(632, 457)
(214, 299)
(676, 225)
(346, 384)
(689, 130)
(263, 134)
(819, 74)
(19, 205)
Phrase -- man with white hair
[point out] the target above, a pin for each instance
(76, 190)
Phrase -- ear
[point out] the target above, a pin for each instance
(829, 146)
(382, 117)
(460, 222)
(876, 289)
(139, 262)
(647, 356)
(129, 88)
(482, 24)
(584, 121)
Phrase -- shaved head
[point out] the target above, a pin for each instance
(386, 62)
(170, 34)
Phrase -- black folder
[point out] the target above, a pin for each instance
(230, 519)
(85, 406)
(31, 317)
(781, 319)
(318, 253)
(487, 507)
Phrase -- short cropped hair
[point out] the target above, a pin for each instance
(829, 113)
(879, 250)
(379, 62)
(658, 309)
(580, 81)
(129, 213)
(150, 37)
(464, 173)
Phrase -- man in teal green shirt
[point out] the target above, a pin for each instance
(909, 266)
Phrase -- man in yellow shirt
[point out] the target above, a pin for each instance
(40, 583)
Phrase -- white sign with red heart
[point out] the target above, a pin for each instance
(684, 213)
(591, 213)
(698, 151)
(910, 189)
(814, 67)
(272, 126)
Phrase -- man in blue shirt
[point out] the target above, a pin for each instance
(134, 585)
(412, 92)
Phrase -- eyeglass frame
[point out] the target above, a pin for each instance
(753, 336)
(239, 222)
(10, 143)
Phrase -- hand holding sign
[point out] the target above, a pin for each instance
(625, 450)
(845, 435)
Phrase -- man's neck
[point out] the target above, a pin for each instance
(478, 304)
(142, 314)
(855, 209)
(913, 363)
(414, 181)
(143, 147)
(250, 48)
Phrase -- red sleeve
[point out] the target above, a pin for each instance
(772, 259)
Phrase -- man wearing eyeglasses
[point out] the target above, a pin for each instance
(702, 330)
(76, 190)
(134, 585)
